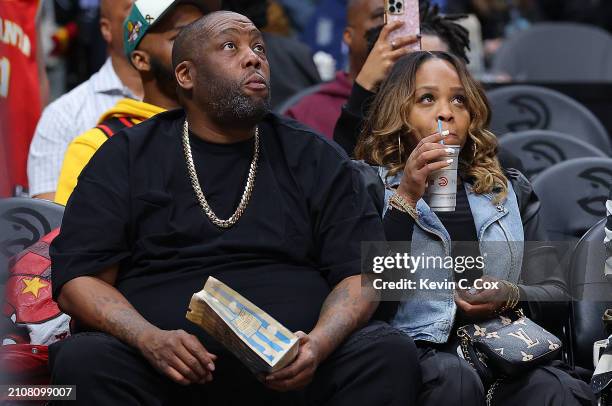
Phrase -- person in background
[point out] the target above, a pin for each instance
(499, 19)
(321, 109)
(84, 49)
(150, 52)
(323, 32)
(79, 110)
(298, 12)
(23, 88)
(293, 68)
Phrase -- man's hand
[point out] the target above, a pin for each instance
(483, 303)
(383, 56)
(178, 355)
(300, 372)
(348, 307)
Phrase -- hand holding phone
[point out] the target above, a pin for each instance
(406, 11)
(383, 56)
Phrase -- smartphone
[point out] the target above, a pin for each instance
(408, 12)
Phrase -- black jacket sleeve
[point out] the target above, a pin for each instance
(543, 284)
(348, 127)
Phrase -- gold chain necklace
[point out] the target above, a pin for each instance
(248, 189)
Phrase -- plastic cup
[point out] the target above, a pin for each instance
(442, 184)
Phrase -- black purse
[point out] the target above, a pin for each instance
(506, 346)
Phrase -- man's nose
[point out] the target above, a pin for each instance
(251, 59)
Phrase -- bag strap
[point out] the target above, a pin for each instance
(113, 125)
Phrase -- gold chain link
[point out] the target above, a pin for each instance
(491, 391)
(193, 176)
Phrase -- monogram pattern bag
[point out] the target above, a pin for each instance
(506, 346)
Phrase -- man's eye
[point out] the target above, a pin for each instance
(229, 45)
(259, 48)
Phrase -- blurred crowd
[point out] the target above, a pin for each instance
(75, 49)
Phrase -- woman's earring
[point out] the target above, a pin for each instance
(474, 151)
(399, 149)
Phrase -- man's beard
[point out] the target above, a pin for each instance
(164, 77)
(228, 104)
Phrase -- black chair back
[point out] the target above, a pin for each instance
(557, 52)
(293, 100)
(540, 149)
(521, 108)
(23, 221)
(592, 295)
(573, 196)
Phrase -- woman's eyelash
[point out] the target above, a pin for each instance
(428, 97)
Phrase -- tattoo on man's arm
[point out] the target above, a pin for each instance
(119, 318)
(345, 310)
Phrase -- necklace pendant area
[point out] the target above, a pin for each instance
(193, 177)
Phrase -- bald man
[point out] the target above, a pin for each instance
(79, 110)
(222, 188)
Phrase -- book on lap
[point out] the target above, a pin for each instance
(260, 342)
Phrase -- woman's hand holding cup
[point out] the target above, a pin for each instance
(427, 157)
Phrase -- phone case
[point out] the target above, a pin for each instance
(408, 12)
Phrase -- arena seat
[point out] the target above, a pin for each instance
(23, 221)
(541, 149)
(557, 52)
(293, 100)
(592, 295)
(573, 196)
(521, 107)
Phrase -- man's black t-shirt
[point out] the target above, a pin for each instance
(298, 237)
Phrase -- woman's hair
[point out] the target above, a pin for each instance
(443, 26)
(387, 122)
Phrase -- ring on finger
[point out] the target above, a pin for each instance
(393, 45)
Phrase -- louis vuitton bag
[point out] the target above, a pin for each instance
(506, 345)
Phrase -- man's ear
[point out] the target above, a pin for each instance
(105, 29)
(347, 36)
(185, 75)
(141, 60)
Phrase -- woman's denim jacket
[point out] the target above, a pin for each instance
(429, 315)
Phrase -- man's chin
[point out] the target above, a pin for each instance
(258, 97)
(260, 104)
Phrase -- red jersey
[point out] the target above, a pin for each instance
(20, 104)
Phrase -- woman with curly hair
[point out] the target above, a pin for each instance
(496, 210)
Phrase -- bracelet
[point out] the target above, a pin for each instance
(398, 202)
(510, 300)
(513, 298)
